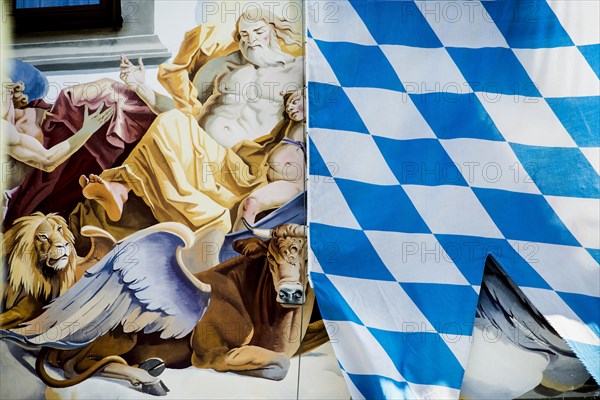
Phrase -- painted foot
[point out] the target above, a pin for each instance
(83, 181)
(110, 195)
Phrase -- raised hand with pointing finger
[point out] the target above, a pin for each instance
(27, 150)
(133, 76)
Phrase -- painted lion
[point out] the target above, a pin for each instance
(39, 264)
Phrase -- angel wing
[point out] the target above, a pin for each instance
(141, 285)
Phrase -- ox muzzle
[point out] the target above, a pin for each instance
(290, 295)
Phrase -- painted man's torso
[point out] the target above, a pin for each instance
(247, 101)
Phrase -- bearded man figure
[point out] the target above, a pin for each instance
(201, 158)
(240, 94)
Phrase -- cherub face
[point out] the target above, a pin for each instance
(295, 106)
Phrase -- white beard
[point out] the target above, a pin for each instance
(263, 56)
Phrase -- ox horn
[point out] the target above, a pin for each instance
(263, 233)
(300, 231)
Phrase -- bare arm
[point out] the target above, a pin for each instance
(157, 102)
(28, 150)
(135, 78)
(273, 195)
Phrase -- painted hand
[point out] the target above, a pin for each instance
(133, 76)
(93, 122)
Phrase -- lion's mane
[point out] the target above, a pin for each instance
(24, 269)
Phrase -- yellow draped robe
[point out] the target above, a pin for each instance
(185, 176)
(178, 170)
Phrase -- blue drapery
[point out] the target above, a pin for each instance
(54, 3)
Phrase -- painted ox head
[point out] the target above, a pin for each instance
(286, 256)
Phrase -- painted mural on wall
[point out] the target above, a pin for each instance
(154, 225)
(149, 232)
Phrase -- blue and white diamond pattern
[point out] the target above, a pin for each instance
(441, 133)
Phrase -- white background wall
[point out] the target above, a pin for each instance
(172, 19)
